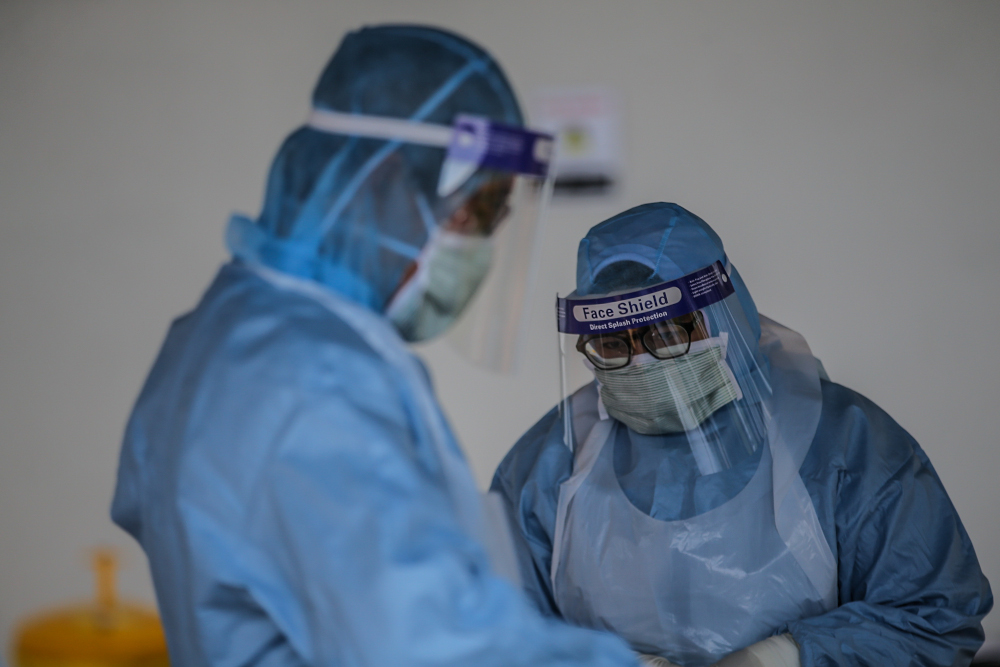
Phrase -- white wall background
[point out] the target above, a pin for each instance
(848, 152)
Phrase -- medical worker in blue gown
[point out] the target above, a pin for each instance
(705, 492)
(287, 468)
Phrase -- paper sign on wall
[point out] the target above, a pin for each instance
(587, 125)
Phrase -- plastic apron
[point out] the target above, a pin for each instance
(697, 589)
(486, 523)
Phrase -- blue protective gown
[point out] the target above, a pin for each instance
(910, 587)
(279, 475)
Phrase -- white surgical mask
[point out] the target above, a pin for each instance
(450, 269)
(656, 396)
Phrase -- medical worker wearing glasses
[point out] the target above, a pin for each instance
(705, 492)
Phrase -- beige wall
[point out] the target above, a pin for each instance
(847, 152)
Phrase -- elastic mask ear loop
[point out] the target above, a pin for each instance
(399, 247)
(430, 226)
(418, 280)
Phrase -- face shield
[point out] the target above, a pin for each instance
(516, 188)
(490, 194)
(676, 362)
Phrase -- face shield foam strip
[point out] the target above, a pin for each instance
(645, 306)
(380, 127)
(410, 130)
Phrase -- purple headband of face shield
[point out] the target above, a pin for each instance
(502, 147)
(628, 310)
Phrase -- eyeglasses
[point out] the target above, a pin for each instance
(663, 340)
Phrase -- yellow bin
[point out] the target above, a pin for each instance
(103, 633)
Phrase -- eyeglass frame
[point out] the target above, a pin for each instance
(696, 319)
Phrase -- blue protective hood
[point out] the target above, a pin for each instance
(350, 212)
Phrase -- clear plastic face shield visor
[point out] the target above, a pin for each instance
(672, 365)
(494, 182)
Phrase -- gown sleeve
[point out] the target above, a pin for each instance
(362, 532)
(910, 588)
(528, 482)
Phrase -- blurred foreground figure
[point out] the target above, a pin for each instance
(710, 496)
(286, 468)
